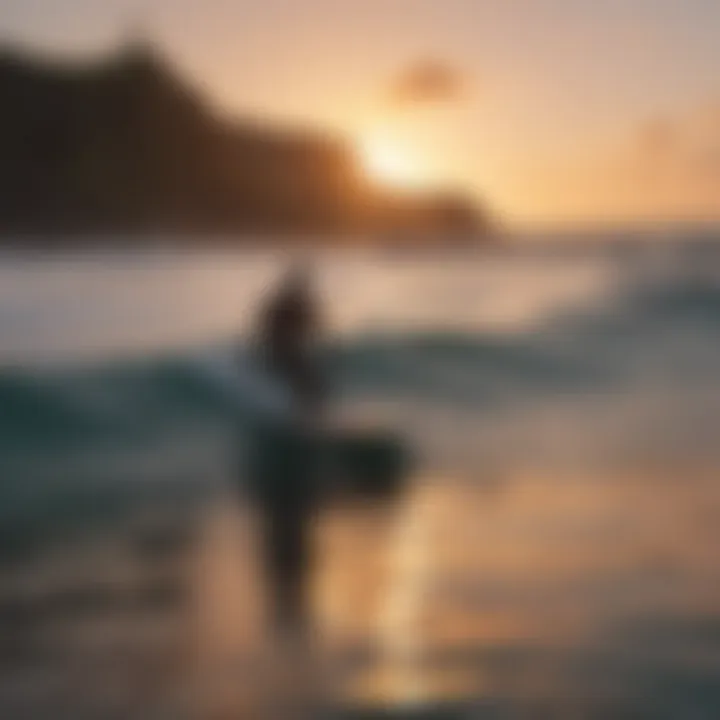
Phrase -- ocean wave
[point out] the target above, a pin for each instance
(137, 417)
(575, 352)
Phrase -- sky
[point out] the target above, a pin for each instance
(551, 111)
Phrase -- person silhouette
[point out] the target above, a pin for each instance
(290, 336)
(287, 451)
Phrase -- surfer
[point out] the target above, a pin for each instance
(290, 335)
(286, 470)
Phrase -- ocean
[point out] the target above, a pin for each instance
(554, 367)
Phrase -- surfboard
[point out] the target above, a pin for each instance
(364, 460)
(372, 463)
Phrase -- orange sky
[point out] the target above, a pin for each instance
(554, 110)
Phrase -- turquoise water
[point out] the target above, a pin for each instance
(600, 355)
(596, 361)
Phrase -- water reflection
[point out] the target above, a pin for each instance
(560, 595)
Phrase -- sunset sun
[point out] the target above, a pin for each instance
(392, 165)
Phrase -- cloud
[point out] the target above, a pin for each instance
(428, 82)
(673, 167)
(687, 146)
(658, 139)
(667, 168)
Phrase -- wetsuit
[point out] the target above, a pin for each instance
(287, 455)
